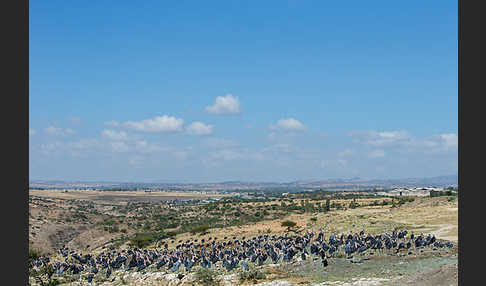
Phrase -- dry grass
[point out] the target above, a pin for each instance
(435, 215)
(90, 194)
(425, 214)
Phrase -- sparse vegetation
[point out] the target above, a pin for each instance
(199, 229)
(34, 254)
(288, 224)
(252, 275)
(206, 277)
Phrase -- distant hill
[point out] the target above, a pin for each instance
(338, 183)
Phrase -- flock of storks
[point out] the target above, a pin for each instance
(233, 253)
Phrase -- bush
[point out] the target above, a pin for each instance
(34, 254)
(206, 277)
(44, 275)
(252, 274)
(198, 229)
(288, 223)
(142, 240)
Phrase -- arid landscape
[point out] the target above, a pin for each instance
(97, 221)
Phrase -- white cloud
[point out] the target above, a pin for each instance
(59, 131)
(31, 132)
(401, 141)
(157, 124)
(387, 138)
(381, 139)
(289, 124)
(199, 128)
(449, 140)
(377, 154)
(395, 135)
(228, 104)
(115, 135)
(142, 146)
(119, 146)
(81, 147)
(51, 147)
(83, 144)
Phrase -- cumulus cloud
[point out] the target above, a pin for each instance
(227, 104)
(157, 124)
(115, 135)
(199, 128)
(59, 131)
(288, 124)
(31, 132)
(449, 140)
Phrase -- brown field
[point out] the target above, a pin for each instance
(112, 196)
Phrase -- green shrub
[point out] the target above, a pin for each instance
(252, 274)
(34, 254)
(288, 223)
(142, 240)
(198, 229)
(44, 275)
(206, 277)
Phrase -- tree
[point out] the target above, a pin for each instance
(328, 205)
(288, 224)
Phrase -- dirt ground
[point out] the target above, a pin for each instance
(438, 215)
(123, 195)
(427, 215)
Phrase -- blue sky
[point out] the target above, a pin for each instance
(242, 90)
